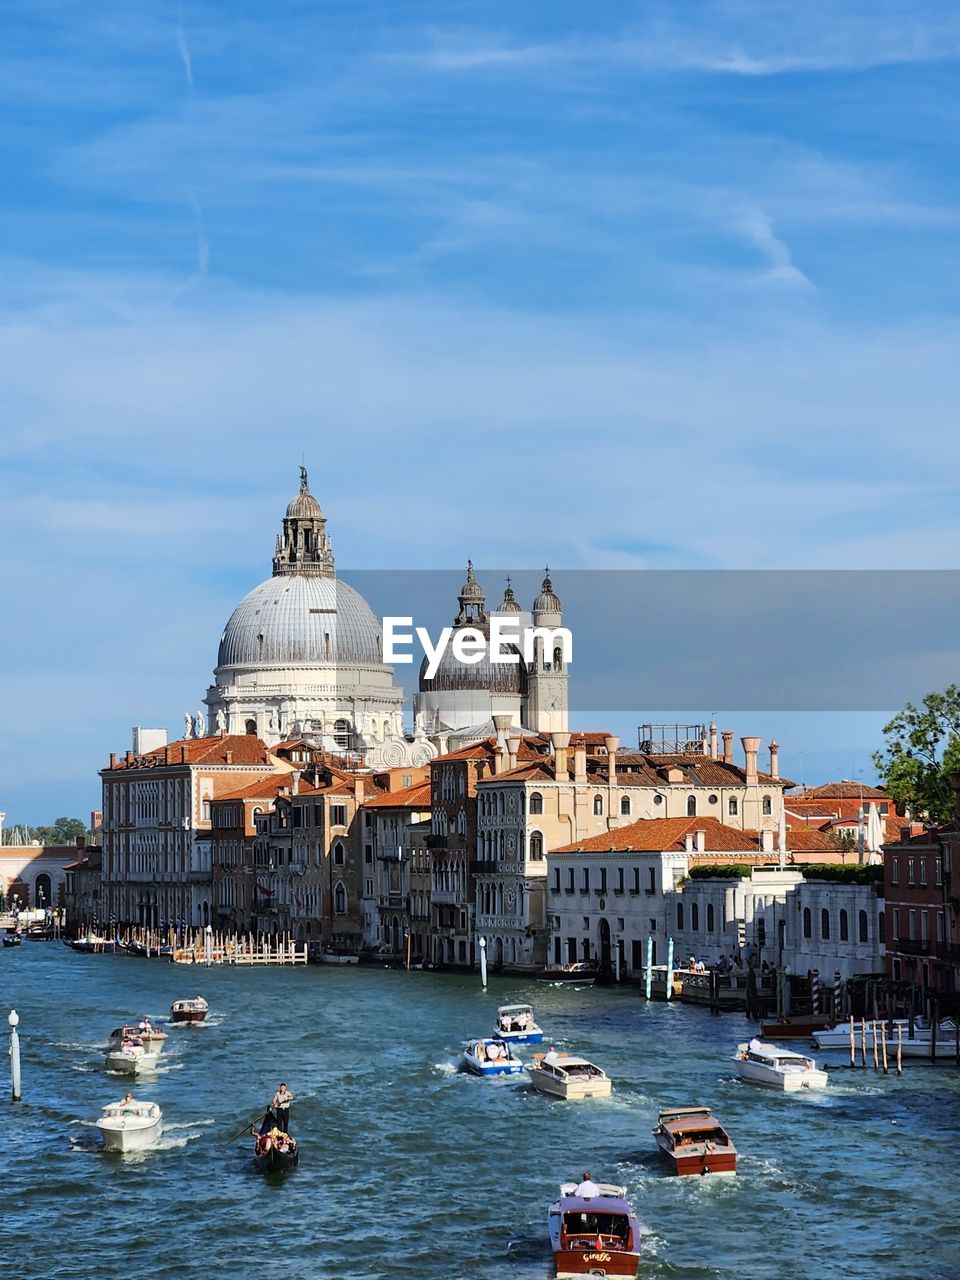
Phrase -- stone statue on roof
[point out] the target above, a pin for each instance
(187, 725)
(200, 724)
(303, 478)
(221, 721)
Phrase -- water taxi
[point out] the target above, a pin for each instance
(595, 1235)
(693, 1141)
(130, 1125)
(336, 955)
(563, 1075)
(151, 1037)
(194, 1010)
(131, 1059)
(516, 1025)
(766, 1064)
(581, 973)
(492, 1057)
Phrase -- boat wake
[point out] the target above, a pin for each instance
(447, 1068)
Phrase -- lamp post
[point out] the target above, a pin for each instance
(208, 940)
(482, 944)
(13, 1019)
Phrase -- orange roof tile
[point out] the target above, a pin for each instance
(243, 748)
(660, 835)
(415, 797)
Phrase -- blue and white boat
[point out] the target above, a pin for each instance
(492, 1057)
(516, 1025)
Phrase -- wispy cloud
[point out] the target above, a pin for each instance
(184, 50)
(756, 228)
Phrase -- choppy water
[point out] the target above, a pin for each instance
(410, 1169)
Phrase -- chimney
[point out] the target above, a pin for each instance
(502, 724)
(688, 841)
(774, 759)
(750, 748)
(560, 743)
(228, 757)
(113, 759)
(766, 842)
(129, 756)
(294, 781)
(513, 746)
(727, 746)
(704, 743)
(580, 761)
(700, 841)
(611, 743)
(713, 741)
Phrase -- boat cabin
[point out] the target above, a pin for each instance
(768, 1055)
(567, 1067)
(691, 1126)
(605, 1222)
(515, 1017)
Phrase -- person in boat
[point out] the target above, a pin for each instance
(281, 1107)
(587, 1189)
(128, 1103)
(479, 1051)
(551, 1055)
(146, 1026)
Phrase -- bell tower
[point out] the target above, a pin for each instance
(547, 675)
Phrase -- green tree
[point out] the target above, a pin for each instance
(63, 831)
(921, 751)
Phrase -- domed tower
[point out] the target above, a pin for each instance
(460, 695)
(547, 677)
(302, 654)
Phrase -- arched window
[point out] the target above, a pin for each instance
(259, 648)
(825, 924)
(695, 917)
(733, 807)
(251, 727)
(338, 858)
(558, 659)
(536, 846)
(536, 802)
(767, 806)
(864, 927)
(43, 892)
(844, 926)
(807, 923)
(679, 915)
(710, 917)
(340, 899)
(691, 806)
(598, 804)
(624, 805)
(342, 735)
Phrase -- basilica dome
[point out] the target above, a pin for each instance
(491, 677)
(295, 618)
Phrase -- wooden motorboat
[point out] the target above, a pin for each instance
(130, 1058)
(803, 1027)
(516, 1025)
(776, 1068)
(194, 1010)
(594, 1236)
(274, 1151)
(12, 940)
(563, 1075)
(151, 1037)
(692, 1140)
(581, 973)
(130, 1125)
(492, 1057)
(333, 955)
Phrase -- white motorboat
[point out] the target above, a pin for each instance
(151, 1037)
(838, 1037)
(776, 1068)
(491, 1057)
(130, 1059)
(516, 1025)
(130, 1125)
(330, 955)
(563, 1075)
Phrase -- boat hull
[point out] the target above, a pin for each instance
(595, 1262)
(10, 941)
(521, 1037)
(784, 1082)
(574, 979)
(570, 1090)
(326, 958)
(699, 1163)
(126, 1064)
(274, 1161)
(795, 1029)
(128, 1137)
(188, 1015)
(489, 1069)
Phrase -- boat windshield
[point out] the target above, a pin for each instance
(581, 1070)
(584, 1228)
(694, 1137)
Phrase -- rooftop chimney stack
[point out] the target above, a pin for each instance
(513, 746)
(700, 841)
(580, 761)
(766, 841)
(774, 759)
(113, 759)
(688, 841)
(750, 748)
(713, 741)
(560, 742)
(611, 742)
(727, 746)
(294, 782)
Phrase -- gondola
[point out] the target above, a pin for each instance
(267, 1153)
(11, 939)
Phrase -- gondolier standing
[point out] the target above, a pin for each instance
(281, 1108)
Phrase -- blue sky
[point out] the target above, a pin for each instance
(646, 285)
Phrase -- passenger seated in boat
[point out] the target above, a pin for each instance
(551, 1056)
(493, 1052)
(587, 1189)
(480, 1051)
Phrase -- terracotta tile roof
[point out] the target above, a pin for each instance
(415, 797)
(697, 770)
(267, 788)
(843, 790)
(243, 748)
(661, 835)
(486, 749)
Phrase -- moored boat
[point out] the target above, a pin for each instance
(194, 1010)
(12, 939)
(91, 943)
(333, 955)
(516, 1025)
(274, 1151)
(564, 1075)
(492, 1057)
(802, 1027)
(776, 1068)
(594, 1235)
(581, 973)
(692, 1141)
(151, 1037)
(838, 1037)
(130, 1125)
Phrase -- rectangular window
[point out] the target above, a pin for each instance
(585, 885)
(924, 926)
(651, 880)
(556, 879)
(940, 929)
(338, 815)
(636, 880)
(911, 871)
(938, 872)
(603, 879)
(570, 879)
(923, 873)
(619, 879)
(894, 870)
(896, 923)
(913, 925)
(761, 929)
(368, 853)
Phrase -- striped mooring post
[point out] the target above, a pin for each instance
(837, 996)
(815, 990)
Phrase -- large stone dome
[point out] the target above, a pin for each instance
(452, 675)
(295, 618)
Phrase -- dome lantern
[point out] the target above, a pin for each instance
(303, 547)
(547, 601)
